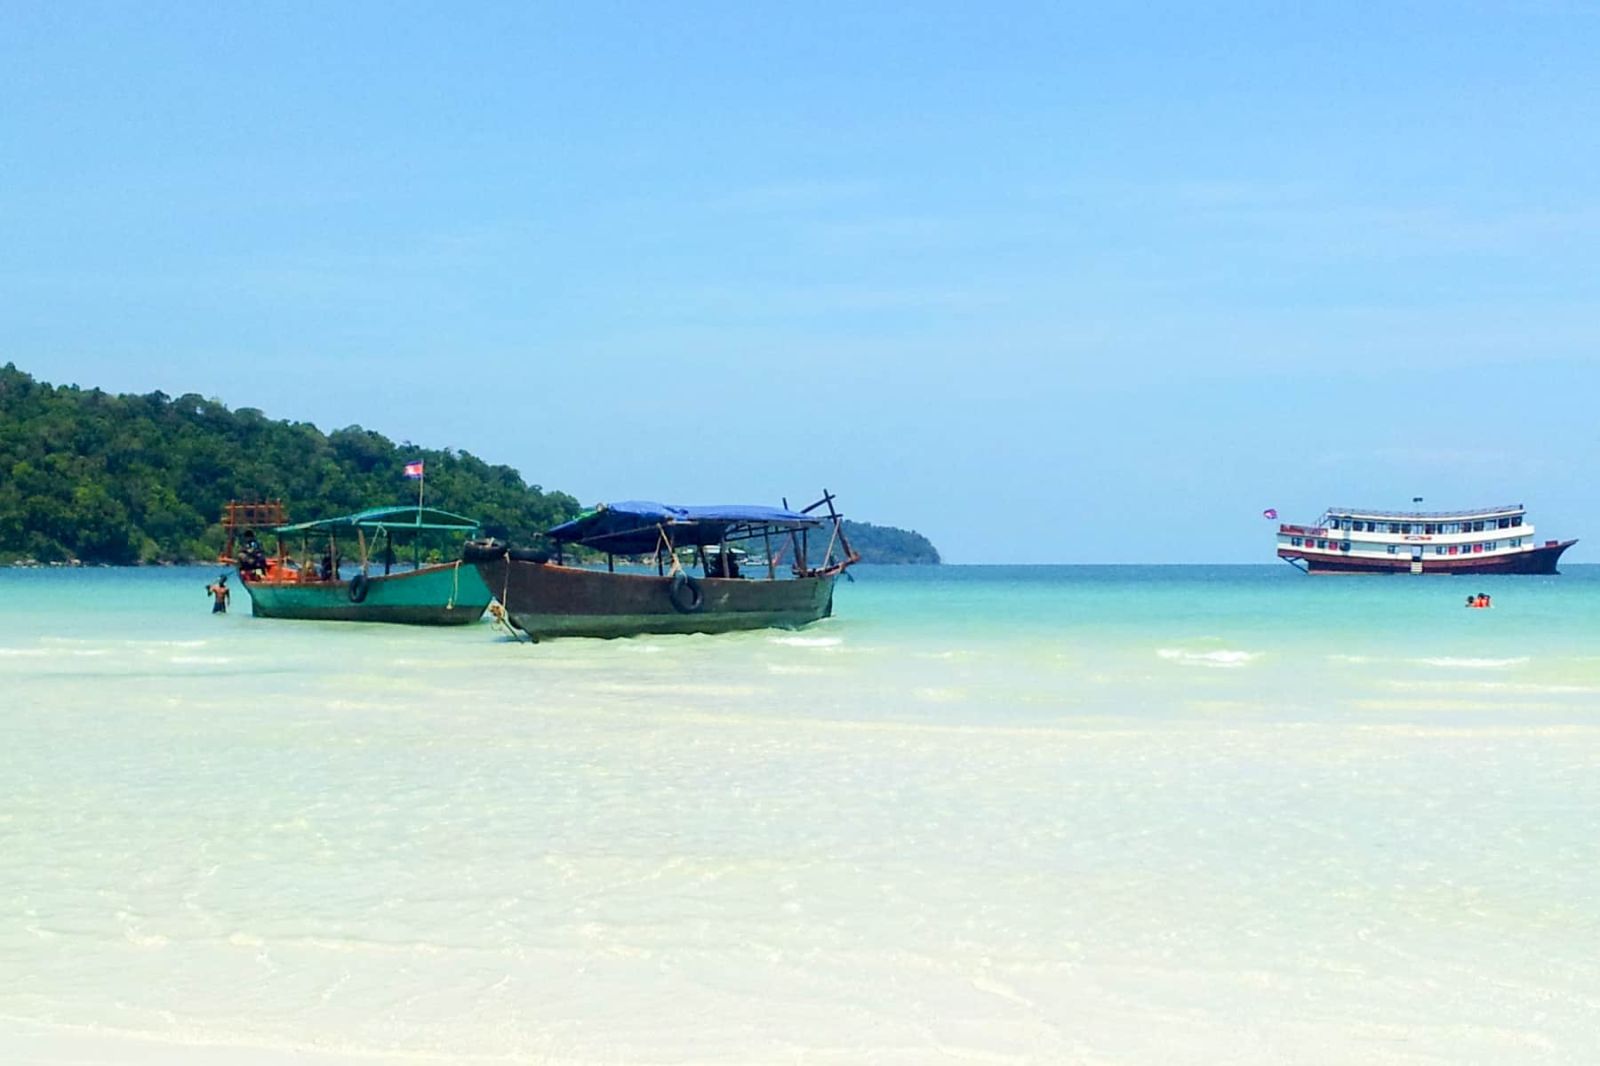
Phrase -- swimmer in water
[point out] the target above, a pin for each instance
(219, 595)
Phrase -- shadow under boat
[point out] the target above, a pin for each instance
(547, 595)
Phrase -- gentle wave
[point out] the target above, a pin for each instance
(1454, 662)
(1224, 658)
(808, 642)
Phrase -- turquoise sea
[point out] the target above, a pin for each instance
(984, 815)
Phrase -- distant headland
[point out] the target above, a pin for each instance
(95, 478)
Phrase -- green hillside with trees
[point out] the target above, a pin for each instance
(102, 478)
(139, 479)
(886, 544)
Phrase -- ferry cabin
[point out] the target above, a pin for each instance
(1353, 540)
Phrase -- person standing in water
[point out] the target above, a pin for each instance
(219, 595)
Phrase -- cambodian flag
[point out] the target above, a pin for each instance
(414, 470)
(1270, 512)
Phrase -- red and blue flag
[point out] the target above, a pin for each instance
(414, 470)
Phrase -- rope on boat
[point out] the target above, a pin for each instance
(501, 612)
(666, 542)
(455, 586)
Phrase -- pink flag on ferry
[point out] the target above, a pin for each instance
(414, 470)
(1270, 512)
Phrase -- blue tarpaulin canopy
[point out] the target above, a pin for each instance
(633, 526)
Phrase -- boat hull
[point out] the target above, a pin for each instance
(1540, 560)
(444, 595)
(546, 600)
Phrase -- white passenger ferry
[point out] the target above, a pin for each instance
(1488, 540)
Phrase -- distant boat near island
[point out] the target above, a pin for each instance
(1487, 540)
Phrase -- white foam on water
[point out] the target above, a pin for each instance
(199, 660)
(808, 642)
(792, 668)
(1224, 659)
(1464, 663)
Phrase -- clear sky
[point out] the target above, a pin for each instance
(1047, 282)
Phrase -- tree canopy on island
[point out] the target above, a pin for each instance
(142, 479)
(886, 544)
(131, 479)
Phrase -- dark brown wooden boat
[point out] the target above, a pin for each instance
(700, 584)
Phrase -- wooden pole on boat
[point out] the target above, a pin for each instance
(772, 567)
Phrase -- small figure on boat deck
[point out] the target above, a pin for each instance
(716, 561)
(252, 556)
(325, 571)
(219, 595)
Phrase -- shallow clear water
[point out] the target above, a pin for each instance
(985, 814)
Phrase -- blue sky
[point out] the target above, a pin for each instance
(1050, 283)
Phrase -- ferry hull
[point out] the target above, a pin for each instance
(1541, 560)
(445, 595)
(546, 600)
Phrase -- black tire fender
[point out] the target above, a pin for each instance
(357, 589)
(685, 594)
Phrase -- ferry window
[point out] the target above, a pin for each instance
(1517, 542)
(1394, 527)
(1517, 521)
(1452, 549)
(1430, 529)
(1438, 549)
(1493, 544)
(1504, 523)
(1294, 542)
(1477, 547)
(1477, 527)
(1391, 549)
(1346, 525)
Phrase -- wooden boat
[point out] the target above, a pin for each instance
(550, 597)
(436, 594)
(1485, 540)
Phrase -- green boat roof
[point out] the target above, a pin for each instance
(395, 518)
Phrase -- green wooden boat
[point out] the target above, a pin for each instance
(329, 588)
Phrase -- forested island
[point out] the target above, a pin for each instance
(92, 477)
(886, 544)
